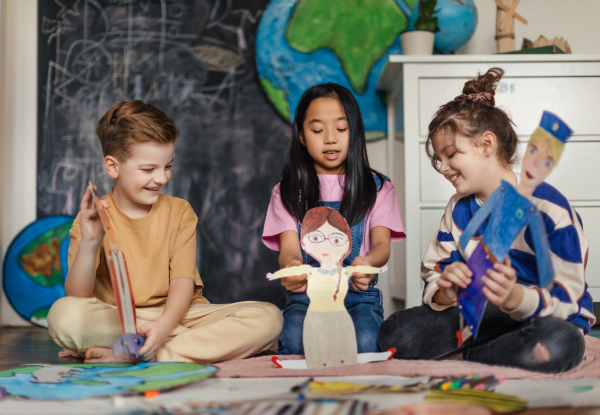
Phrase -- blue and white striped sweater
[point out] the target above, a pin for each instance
(568, 299)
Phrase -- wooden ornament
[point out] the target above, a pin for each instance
(559, 42)
(505, 24)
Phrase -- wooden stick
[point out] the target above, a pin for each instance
(511, 11)
(129, 341)
(505, 36)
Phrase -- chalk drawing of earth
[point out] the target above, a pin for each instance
(303, 43)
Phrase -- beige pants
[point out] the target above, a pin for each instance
(207, 333)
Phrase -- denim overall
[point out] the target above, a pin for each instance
(365, 307)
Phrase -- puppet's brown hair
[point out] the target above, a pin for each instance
(130, 122)
(316, 217)
(471, 118)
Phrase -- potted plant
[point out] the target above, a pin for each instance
(418, 38)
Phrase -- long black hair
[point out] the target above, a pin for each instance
(300, 184)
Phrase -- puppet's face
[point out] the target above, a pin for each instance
(328, 245)
(538, 163)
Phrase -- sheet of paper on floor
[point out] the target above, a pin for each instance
(554, 393)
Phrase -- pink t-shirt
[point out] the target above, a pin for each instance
(384, 213)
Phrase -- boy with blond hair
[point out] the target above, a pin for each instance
(157, 235)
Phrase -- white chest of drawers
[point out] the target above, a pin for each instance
(416, 86)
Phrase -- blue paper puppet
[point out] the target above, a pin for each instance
(509, 211)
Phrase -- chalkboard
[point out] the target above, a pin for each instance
(195, 61)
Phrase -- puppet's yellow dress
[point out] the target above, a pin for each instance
(329, 334)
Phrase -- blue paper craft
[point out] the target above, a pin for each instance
(508, 213)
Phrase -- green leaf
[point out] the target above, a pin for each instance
(427, 7)
(429, 24)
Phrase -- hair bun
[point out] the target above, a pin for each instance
(482, 97)
(483, 88)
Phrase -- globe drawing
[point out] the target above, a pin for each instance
(35, 267)
(457, 20)
(301, 43)
(87, 380)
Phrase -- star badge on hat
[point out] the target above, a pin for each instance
(555, 126)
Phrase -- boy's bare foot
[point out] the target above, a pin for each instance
(105, 355)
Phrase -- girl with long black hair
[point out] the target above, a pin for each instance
(328, 166)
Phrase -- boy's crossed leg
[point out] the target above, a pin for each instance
(207, 333)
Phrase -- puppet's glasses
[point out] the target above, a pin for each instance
(334, 238)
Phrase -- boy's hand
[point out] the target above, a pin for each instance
(360, 282)
(455, 275)
(92, 231)
(501, 286)
(296, 283)
(156, 333)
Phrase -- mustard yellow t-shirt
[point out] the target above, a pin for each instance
(158, 248)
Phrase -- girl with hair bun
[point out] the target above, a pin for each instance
(473, 144)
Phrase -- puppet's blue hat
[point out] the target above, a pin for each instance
(555, 126)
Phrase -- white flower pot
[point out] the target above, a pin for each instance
(417, 42)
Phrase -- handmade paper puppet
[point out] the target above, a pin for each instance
(509, 211)
(129, 341)
(329, 337)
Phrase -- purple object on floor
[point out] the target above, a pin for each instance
(130, 343)
(2, 394)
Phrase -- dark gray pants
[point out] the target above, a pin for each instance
(543, 344)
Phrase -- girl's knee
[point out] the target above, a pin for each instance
(565, 347)
(400, 328)
(366, 341)
(395, 333)
(290, 340)
(559, 346)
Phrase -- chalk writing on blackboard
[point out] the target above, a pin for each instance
(195, 61)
